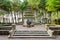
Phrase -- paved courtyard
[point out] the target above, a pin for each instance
(37, 27)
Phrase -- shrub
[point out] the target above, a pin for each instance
(57, 21)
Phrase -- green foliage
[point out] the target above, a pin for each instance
(42, 3)
(39, 14)
(52, 5)
(54, 15)
(16, 5)
(57, 21)
(5, 4)
(34, 3)
(24, 4)
(3, 12)
(57, 3)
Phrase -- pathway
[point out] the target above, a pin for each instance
(36, 27)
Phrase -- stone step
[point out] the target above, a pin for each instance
(32, 37)
(42, 34)
(23, 34)
(29, 33)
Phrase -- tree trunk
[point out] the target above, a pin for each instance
(57, 17)
(22, 18)
(12, 17)
(3, 18)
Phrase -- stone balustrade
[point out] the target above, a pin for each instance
(12, 31)
(53, 29)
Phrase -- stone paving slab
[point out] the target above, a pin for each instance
(35, 28)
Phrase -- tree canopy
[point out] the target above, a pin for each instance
(50, 5)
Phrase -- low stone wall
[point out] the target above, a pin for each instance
(4, 29)
(53, 29)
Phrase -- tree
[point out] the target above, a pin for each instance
(33, 3)
(53, 5)
(4, 6)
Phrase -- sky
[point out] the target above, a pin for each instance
(21, 0)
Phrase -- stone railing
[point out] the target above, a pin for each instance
(52, 29)
(5, 28)
(50, 32)
(12, 31)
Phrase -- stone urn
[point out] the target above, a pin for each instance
(29, 23)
